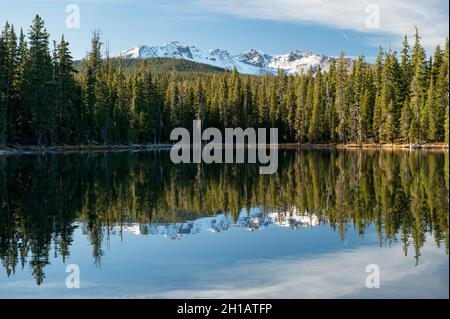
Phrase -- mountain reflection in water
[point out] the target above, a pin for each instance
(256, 219)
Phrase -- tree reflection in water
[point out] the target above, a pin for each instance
(44, 198)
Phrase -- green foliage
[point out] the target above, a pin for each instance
(341, 104)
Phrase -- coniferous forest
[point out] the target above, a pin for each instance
(48, 99)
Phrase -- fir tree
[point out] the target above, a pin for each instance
(37, 84)
(300, 114)
(341, 101)
(314, 129)
(417, 88)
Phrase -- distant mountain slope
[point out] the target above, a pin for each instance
(251, 62)
(159, 65)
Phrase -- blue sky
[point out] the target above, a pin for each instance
(273, 26)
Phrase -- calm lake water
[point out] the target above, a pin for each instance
(137, 225)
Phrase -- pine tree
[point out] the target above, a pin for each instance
(405, 121)
(274, 104)
(281, 111)
(358, 90)
(234, 99)
(37, 84)
(432, 117)
(223, 104)
(446, 125)
(436, 62)
(424, 120)
(417, 87)
(330, 94)
(300, 113)
(263, 108)
(156, 110)
(250, 114)
(365, 122)
(378, 71)
(377, 118)
(442, 100)
(290, 102)
(172, 102)
(341, 100)
(390, 113)
(67, 102)
(101, 107)
(309, 100)
(199, 101)
(21, 116)
(377, 107)
(3, 85)
(122, 126)
(91, 79)
(406, 72)
(388, 128)
(314, 129)
(140, 107)
(12, 84)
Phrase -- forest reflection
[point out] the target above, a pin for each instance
(44, 198)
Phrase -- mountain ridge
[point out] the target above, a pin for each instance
(254, 62)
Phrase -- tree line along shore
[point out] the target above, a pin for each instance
(67, 149)
(53, 102)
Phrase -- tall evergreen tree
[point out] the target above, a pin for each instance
(358, 94)
(314, 129)
(68, 103)
(90, 86)
(290, 103)
(341, 98)
(417, 88)
(300, 113)
(440, 116)
(37, 86)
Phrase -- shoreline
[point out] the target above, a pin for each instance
(72, 149)
(369, 146)
(92, 148)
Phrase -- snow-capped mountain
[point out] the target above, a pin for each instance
(252, 221)
(251, 62)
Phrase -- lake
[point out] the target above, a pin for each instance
(137, 225)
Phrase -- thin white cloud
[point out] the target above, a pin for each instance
(396, 18)
(335, 275)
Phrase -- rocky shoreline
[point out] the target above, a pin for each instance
(66, 149)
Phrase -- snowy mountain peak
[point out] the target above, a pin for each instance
(255, 57)
(250, 62)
